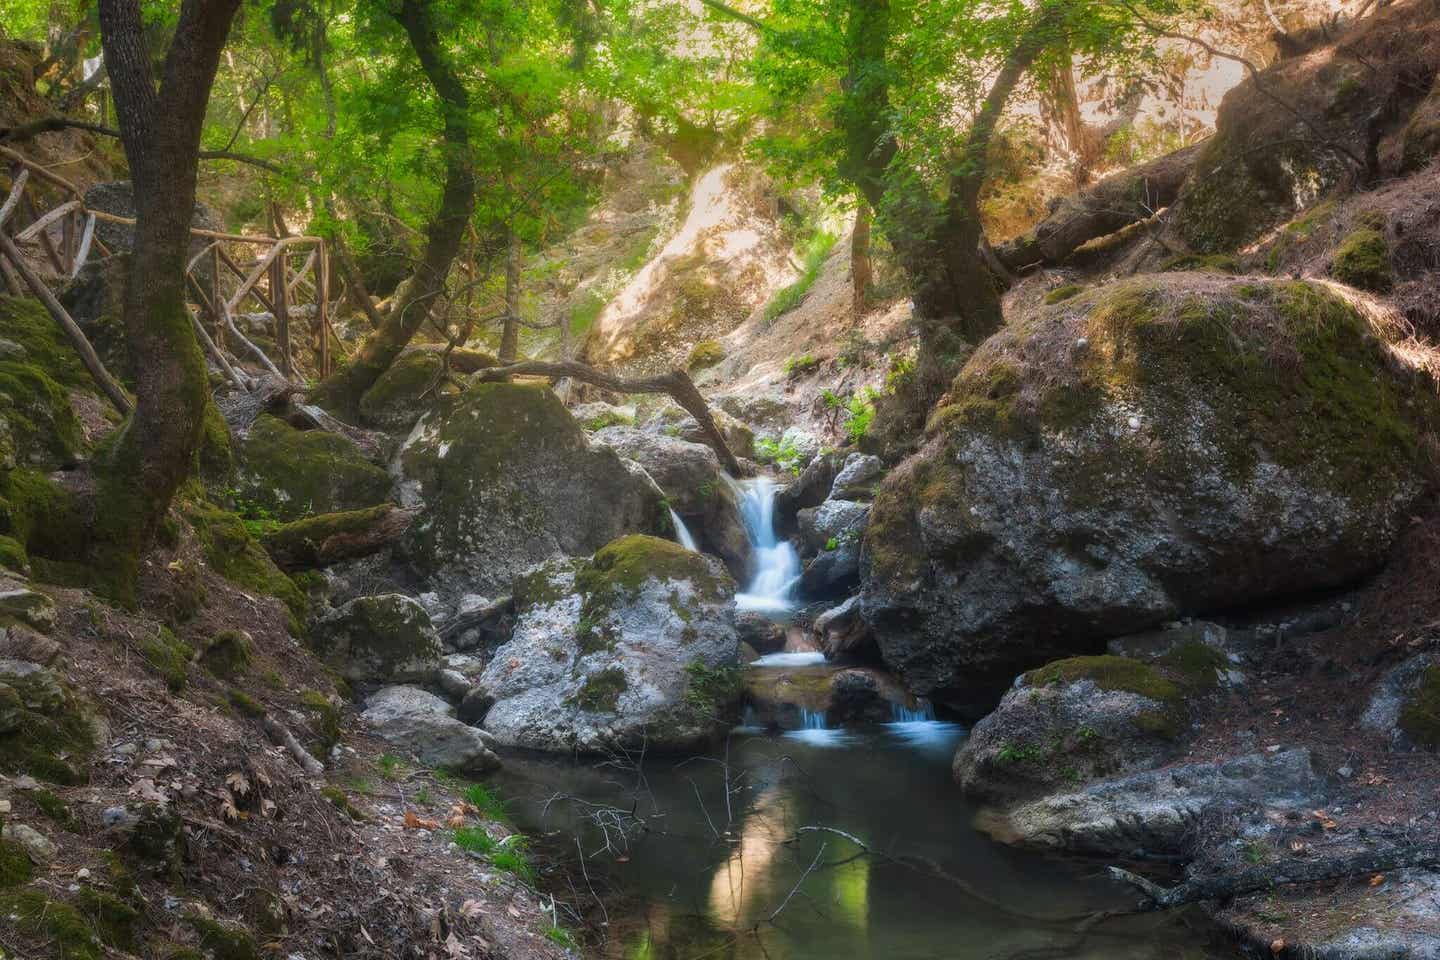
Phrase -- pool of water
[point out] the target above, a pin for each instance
(743, 854)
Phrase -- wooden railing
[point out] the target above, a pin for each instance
(286, 277)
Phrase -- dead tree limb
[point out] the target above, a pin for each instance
(241, 409)
(332, 537)
(677, 383)
(1256, 879)
(283, 737)
(1114, 203)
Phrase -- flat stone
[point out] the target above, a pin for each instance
(40, 849)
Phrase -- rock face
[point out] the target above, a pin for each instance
(636, 646)
(695, 486)
(507, 479)
(1087, 717)
(831, 532)
(1282, 146)
(858, 478)
(296, 473)
(841, 631)
(425, 726)
(383, 639)
(1136, 453)
(1153, 811)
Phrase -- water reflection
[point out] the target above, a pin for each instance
(725, 859)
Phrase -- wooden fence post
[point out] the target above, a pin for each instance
(322, 305)
(280, 299)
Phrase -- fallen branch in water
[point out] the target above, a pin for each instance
(677, 383)
(1256, 879)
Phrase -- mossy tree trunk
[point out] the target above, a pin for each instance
(160, 128)
(416, 297)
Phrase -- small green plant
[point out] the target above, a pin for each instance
(711, 689)
(1255, 852)
(783, 453)
(801, 365)
(1017, 753)
(859, 414)
(391, 768)
(561, 936)
(423, 797)
(901, 372)
(488, 802)
(833, 543)
(510, 855)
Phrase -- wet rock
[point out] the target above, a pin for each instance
(810, 489)
(832, 533)
(763, 634)
(424, 725)
(478, 623)
(1066, 497)
(841, 632)
(789, 697)
(1153, 811)
(858, 478)
(384, 639)
(856, 697)
(695, 486)
(507, 479)
(635, 646)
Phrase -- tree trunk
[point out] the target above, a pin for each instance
(510, 332)
(160, 129)
(417, 295)
(862, 271)
(1112, 204)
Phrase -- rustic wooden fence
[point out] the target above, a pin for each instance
(288, 278)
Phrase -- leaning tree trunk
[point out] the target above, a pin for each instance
(416, 297)
(160, 129)
(862, 270)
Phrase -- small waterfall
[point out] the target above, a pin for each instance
(812, 719)
(682, 532)
(922, 713)
(777, 565)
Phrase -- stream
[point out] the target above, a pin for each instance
(750, 852)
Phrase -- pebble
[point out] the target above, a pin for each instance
(1345, 772)
(1273, 748)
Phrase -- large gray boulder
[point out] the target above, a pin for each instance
(1154, 811)
(424, 726)
(634, 647)
(1138, 453)
(381, 639)
(506, 479)
(695, 486)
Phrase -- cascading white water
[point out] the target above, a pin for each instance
(777, 565)
(682, 532)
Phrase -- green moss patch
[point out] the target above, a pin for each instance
(51, 806)
(704, 354)
(1420, 716)
(601, 691)
(228, 654)
(1211, 263)
(51, 733)
(168, 657)
(1063, 292)
(1363, 260)
(1110, 673)
(293, 473)
(620, 569)
(234, 554)
(66, 931)
(224, 941)
(15, 866)
(299, 544)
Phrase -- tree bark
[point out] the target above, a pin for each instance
(862, 271)
(1112, 204)
(677, 383)
(160, 130)
(416, 297)
(510, 332)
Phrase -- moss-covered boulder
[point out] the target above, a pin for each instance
(1150, 449)
(234, 554)
(288, 473)
(383, 639)
(696, 488)
(634, 647)
(506, 479)
(1404, 707)
(419, 380)
(45, 728)
(1078, 719)
(38, 372)
(1309, 124)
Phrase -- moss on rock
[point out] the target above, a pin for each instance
(704, 354)
(292, 473)
(15, 866)
(1110, 673)
(224, 941)
(1363, 260)
(1420, 716)
(51, 733)
(601, 691)
(620, 569)
(228, 654)
(66, 931)
(168, 657)
(235, 555)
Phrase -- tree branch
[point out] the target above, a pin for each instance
(677, 383)
(29, 131)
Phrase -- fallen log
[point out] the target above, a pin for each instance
(677, 383)
(1110, 205)
(333, 537)
(1369, 861)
